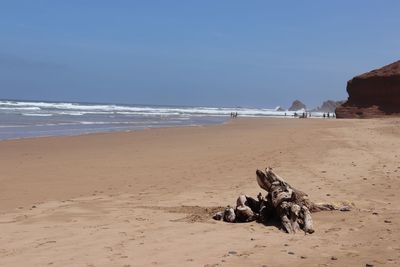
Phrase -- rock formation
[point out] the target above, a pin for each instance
(329, 106)
(373, 94)
(297, 105)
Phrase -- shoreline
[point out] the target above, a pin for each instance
(105, 132)
(227, 120)
(119, 131)
(126, 195)
(29, 119)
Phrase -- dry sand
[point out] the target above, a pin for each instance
(144, 198)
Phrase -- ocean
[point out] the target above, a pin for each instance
(24, 119)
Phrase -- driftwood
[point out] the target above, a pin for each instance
(283, 203)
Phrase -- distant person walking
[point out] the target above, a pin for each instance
(234, 115)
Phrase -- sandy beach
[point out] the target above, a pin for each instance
(144, 198)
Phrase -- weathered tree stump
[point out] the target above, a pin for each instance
(283, 202)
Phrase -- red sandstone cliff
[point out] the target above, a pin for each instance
(373, 94)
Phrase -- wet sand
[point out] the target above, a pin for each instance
(144, 198)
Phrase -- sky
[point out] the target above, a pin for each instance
(200, 53)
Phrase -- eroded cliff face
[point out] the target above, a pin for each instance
(373, 94)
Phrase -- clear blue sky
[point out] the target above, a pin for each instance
(216, 53)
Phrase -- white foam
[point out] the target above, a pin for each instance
(78, 109)
(72, 113)
(37, 114)
(12, 126)
(20, 108)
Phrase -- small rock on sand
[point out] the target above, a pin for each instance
(345, 208)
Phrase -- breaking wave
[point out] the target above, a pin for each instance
(21, 119)
(81, 109)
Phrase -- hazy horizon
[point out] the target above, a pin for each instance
(217, 54)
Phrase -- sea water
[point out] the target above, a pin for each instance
(23, 119)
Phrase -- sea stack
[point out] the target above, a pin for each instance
(297, 105)
(373, 94)
(329, 106)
